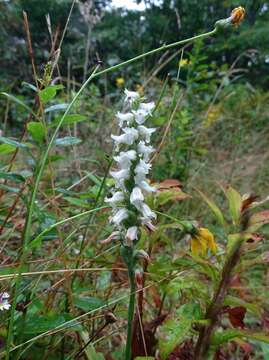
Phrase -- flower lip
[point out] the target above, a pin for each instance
(121, 117)
(119, 216)
(124, 159)
(131, 96)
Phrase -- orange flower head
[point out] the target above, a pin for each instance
(237, 15)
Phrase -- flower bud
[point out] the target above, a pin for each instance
(235, 19)
(139, 278)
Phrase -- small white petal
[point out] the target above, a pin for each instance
(139, 178)
(124, 159)
(5, 295)
(136, 197)
(122, 118)
(131, 235)
(142, 167)
(121, 174)
(140, 116)
(148, 224)
(145, 186)
(148, 107)
(119, 216)
(147, 212)
(117, 197)
(128, 138)
(131, 96)
(145, 132)
(145, 150)
(120, 177)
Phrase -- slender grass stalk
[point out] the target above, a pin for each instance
(40, 169)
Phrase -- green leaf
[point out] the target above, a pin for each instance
(144, 358)
(37, 131)
(87, 303)
(13, 143)
(222, 337)
(67, 141)
(12, 176)
(77, 202)
(69, 119)
(18, 101)
(93, 355)
(49, 93)
(30, 86)
(7, 149)
(38, 324)
(56, 107)
(235, 204)
(215, 209)
(174, 331)
(9, 188)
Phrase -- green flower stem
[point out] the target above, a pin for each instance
(131, 307)
(127, 254)
(40, 169)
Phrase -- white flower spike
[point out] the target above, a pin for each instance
(128, 198)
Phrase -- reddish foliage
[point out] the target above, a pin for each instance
(149, 329)
(169, 183)
(183, 352)
(248, 201)
(236, 316)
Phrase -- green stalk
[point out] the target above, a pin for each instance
(128, 350)
(40, 169)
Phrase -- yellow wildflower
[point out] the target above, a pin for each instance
(202, 241)
(212, 116)
(183, 62)
(120, 82)
(237, 15)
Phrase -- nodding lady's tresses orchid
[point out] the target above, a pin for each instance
(133, 151)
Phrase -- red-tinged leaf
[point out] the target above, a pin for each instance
(169, 183)
(236, 316)
(258, 220)
(247, 200)
(254, 238)
(245, 346)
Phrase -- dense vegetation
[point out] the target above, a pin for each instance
(199, 272)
